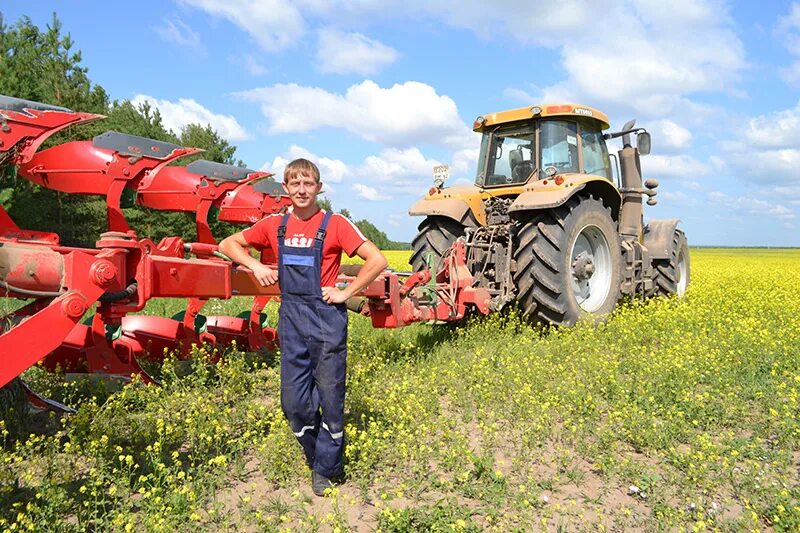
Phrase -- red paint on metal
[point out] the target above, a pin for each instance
(27, 130)
(163, 271)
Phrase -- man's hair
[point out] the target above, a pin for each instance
(300, 166)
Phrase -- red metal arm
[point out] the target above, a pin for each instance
(24, 131)
(392, 304)
(84, 276)
(104, 166)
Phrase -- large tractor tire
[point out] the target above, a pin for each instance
(436, 235)
(569, 262)
(671, 275)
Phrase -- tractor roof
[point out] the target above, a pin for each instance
(539, 111)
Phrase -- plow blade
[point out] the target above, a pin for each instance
(27, 124)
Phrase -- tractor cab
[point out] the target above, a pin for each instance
(533, 143)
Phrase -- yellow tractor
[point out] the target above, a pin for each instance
(553, 221)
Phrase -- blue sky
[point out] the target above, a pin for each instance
(380, 91)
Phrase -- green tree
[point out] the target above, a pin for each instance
(216, 148)
(41, 65)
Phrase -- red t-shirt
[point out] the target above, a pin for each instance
(341, 236)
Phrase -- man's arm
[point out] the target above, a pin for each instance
(374, 264)
(237, 249)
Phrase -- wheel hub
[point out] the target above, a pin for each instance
(583, 266)
(592, 268)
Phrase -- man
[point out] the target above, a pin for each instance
(312, 326)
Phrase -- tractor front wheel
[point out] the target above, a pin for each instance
(436, 235)
(671, 275)
(569, 263)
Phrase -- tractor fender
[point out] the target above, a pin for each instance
(658, 237)
(454, 208)
(548, 198)
(543, 199)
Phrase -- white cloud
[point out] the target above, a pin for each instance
(393, 164)
(411, 112)
(331, 170)
(788, 29)
(346, 53)
(368, 193)
(392, 172)
(753, 206)
(657, 55)
(465, 161)
(791, 74)
(776, 130)
(788, 33)
(718, 164)
(791, 193)
(253, 66)
(177, 115)
(671, 135)
(678, 166)
(678, 197)
(768, 148)
(181, 34)
(519, 95)
(274, 24)
(773, 165)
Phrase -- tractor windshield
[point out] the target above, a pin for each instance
(560, 145)
(507, 157)
(561, 141)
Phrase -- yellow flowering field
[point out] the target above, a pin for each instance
(672, 415)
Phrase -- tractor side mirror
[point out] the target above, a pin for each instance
(643, 142)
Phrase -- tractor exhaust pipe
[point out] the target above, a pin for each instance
(631, 219)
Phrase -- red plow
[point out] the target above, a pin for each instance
(123, 272)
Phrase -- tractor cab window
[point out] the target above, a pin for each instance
(559, 141)
(595, 152)
(507, 157)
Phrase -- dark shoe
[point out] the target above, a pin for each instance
(320, 483)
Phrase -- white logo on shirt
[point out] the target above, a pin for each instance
(298, 242)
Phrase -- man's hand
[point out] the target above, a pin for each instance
(332, 295)
(264, 274)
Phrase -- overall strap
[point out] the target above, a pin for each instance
(323, 228)
(282, 228)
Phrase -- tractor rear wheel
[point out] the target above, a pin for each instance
(671, 275)
(569, 263)
(436, 235)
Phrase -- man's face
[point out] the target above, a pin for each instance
(302, 190)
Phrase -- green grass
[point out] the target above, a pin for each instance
(493, 425)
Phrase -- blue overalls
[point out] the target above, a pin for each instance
(313, 340)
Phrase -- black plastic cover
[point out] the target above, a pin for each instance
(269, 187)
(131, 145)
(18, 104)
(218, 171)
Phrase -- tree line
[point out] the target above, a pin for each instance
(43, 65)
